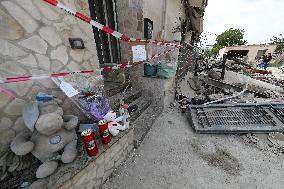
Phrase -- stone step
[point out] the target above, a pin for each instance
(143, 102)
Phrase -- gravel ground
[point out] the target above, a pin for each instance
(173, 156)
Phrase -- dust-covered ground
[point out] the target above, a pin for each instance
(172, 155)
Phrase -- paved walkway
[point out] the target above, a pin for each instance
(174, 156)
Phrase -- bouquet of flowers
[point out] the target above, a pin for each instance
(91, 97)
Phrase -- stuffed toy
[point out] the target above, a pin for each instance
(123, 110)
(113, 125)
(49, 131)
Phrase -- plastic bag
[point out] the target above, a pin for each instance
(90, 98)
(167, 70)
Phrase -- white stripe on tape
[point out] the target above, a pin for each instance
(96, 24)
(117, 34)
(68, 10)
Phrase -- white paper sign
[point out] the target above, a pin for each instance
(139, 53)
(68, 89)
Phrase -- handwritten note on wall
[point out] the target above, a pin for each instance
(139, 53)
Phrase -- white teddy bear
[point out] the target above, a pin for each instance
(113, 125)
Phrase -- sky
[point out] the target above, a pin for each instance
(261, 19)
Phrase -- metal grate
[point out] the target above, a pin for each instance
(241, 118)
(278, 111)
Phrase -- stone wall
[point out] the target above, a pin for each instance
(34, 40)
(98, 169)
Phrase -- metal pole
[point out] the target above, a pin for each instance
(196, 65)
(224, 66)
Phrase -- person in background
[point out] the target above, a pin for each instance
(266, 60)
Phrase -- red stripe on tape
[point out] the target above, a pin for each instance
(83, 17)
(52, 2)
(107, 30)
(87, 71)
(17, 80)
(18, 77)
(108, 68)
(58, 74)
(125, 38)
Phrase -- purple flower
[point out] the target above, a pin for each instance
(99, 109)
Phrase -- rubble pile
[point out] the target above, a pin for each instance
(242, 84)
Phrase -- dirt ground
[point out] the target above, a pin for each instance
(173, 156)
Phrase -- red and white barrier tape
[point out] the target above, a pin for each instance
(161, 54)
(106, 29)
(62, 74)
(123, 66)
(8, 93)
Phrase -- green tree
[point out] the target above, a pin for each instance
(279, 41)
(229, 38)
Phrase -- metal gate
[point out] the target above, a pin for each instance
(108, 47)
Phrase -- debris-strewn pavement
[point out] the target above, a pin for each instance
(173, 156)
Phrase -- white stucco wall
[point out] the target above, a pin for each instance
(253, 49)
(154, 11)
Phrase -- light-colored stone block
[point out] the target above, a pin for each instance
(107, 174)
(130, 148)
(119, 161)
(86, 65)
(29, 61)
(50, 35)
(9, 27)
(48, 83)
(92, 175)
(30, 8)
(77, 32)
(114, 150)
(21, 88)
(5, 124)
(109, 165)
(26, 21)
(73, 66)
(35, 43)
(12, 68)
(100, 160)
(8, 49)
(43, 62)
(15, 107)
(4, 99)
(67, 185)
(77, 55)
(60, 27)
(87, 55)
(46, 10)
(87, 29)
(80, 180)
(56, 66)
(60, 54)
(68, 19)
(100, 171)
